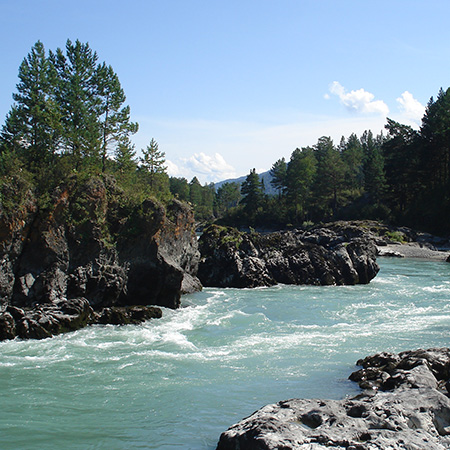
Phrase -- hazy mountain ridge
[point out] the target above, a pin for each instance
(265, 177)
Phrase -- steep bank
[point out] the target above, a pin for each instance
(91, 248)
(406, 407)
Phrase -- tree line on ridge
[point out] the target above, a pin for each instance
(69, 120)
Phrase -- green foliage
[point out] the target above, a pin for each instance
(33, 124)
(69, 121)
(153, 160)
(226, 235)
(279, 175)
(66, 103)
(252, 195)
(330, 178)
(300, 175)
(179, 188)
(16, 192)
(227, 197)
(396, 236)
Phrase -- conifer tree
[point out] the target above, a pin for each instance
(125, 156)
(78, 100)
(179, 187)
(228, 196)
(374, 175)
(435, 134)
(400, 152)
(11, 134)
(114, 118)
(353, 158)
(300, 174)
(153, 161)
(252, 194)
(195, 191)
(33, 122)
(278, 173)
(330, 176)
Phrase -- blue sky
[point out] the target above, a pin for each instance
(225, 86)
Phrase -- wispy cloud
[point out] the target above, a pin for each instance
(359, 101)
(411, 108)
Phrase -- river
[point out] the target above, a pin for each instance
(178, 382)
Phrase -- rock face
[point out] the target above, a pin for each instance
(322, 256)
(413, 412)
(60, 267)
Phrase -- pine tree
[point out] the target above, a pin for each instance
(252, 194)
(78, 100)
(153, 161)
(374, 176)
(179, 187)
(353, 158)
(11, 137)
(195, 191)
(114, 118)
(33, 123)
(435, 134)
(330, 176)
(278, 173)
(228, 196)
(300, 175)
(401, 164)
(125, 156)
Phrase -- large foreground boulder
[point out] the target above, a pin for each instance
(412, 413)
(321, 256)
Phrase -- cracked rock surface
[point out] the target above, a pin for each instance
(413, 414)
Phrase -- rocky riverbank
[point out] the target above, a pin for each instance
(66, 266)
(405, 405)
(89, 256)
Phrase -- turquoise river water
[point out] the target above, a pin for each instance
(178, 382)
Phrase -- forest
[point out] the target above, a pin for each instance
(69, 121)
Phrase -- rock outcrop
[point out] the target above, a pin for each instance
(406, 407)
(90, 250)
(322, 256)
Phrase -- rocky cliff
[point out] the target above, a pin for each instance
(321, 256)
(407, 406)
(87, 250)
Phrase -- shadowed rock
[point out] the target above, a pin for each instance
(89, 250)
(319, 257)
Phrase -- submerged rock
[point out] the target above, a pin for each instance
(117, 315)
(413, 413)
(319, 257)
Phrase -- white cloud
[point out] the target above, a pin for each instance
(359, 101)
(411, 108)
(210, 167)
(172, 169)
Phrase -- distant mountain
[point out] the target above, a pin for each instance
(265, 177)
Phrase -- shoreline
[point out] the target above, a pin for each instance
(412, 250)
